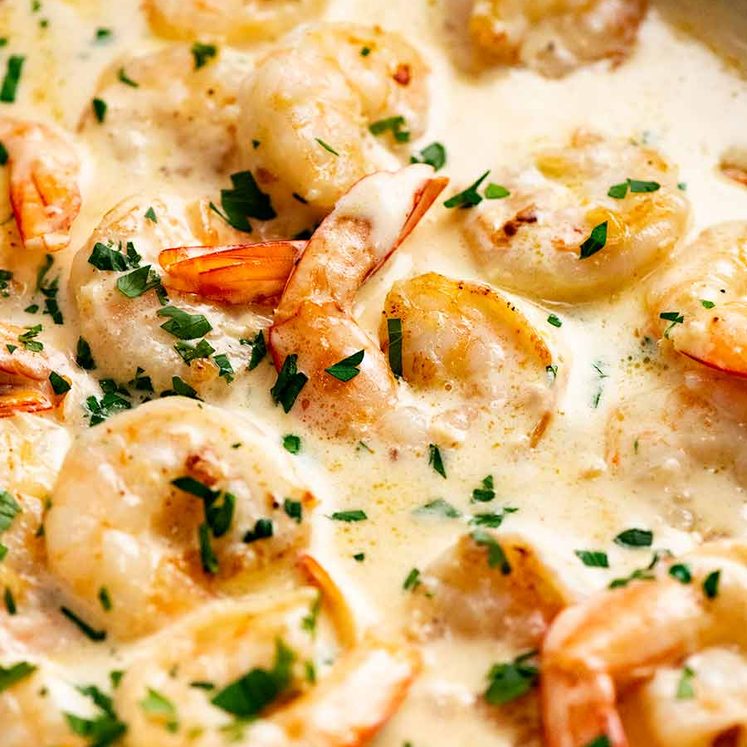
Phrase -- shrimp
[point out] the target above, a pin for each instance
(531, 241)
(44, 190)
(312, 142)
(466, 592)
(618, 638)
(555, 37)
(313, 319)
(698, 301)
(119, 522)
(249, 641)
(25, 384)
(464, 336)
(232, 21)
(126, 332)
(173, 119)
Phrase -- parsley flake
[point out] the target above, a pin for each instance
(433, 154)
(347, 368)
(596, 241)
(469, 197)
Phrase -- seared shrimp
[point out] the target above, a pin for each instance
(25, 384)
(120, 522)
(312, 142)
(44, 190)
(232, 21)
(194, 665)
(453, 332)
(125, 331)
(559, 234)
(555, 36)
(313, 320)
(698, 302)
(510, 593)
(174, 119)
(617, 638)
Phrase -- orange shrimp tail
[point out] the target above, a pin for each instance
(241, 274)
(578, 709)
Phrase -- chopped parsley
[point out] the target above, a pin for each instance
(496, 192)
(412, 581)
(4, 155)
(203, 53)
(83, 356)
(710, 584)
(103, 730)
(496, 557)
(158, 706)
(263, 529)
(685, 689)
(292, 443)
(9, 509)
(491, 519)
(596, 242)
(60, 385)
(433, 154)
(225, 369)
(99, 109)
(189, 353)
(109, 259)
(555, 321)
(593, 558)
(600, 741)
(486, 491)
(706, 304)
(111, 402)
(27, 339)
(395, 125)
(103, 34)
(83, 626)
(349, 516)
(635, 538)
(150, 214)
(259, 349)
(184, 325)
(469, 197)
(347, 368)
(435, 460)
(681, 573)
(15, 673)
(208, 558)
(12, 78)
(359, 557)
(394, 335)
(508, 681)
(289, 383)
(9, 600)
(105, 599)
(243, 201)
(124, 78)
(620, 191)
(326, 146)
(249, 695)
(439, 507)
(5, 277)
(139, 281)
(294, 509)
(674, 317)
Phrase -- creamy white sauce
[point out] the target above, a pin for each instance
(674, 91)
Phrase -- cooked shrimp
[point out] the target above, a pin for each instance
(313, 319)
(125, 332)
(43, 183)
(464, 336)
(699, 301)
(555, 36)
(118, 522)
(32, 710)
(24, 376)
(466, 592)
(173, 119)
(224, 642)
(232, 21)
(531, 240)
(620, 637)
(312, 142)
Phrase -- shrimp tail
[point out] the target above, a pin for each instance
(240, 274)
(577, 710)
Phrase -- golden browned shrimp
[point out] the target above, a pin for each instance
(43, 183)
(311, 142)
(620, 637)
(555, 36)
(581, 221)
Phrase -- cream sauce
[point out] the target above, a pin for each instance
(676, 93)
